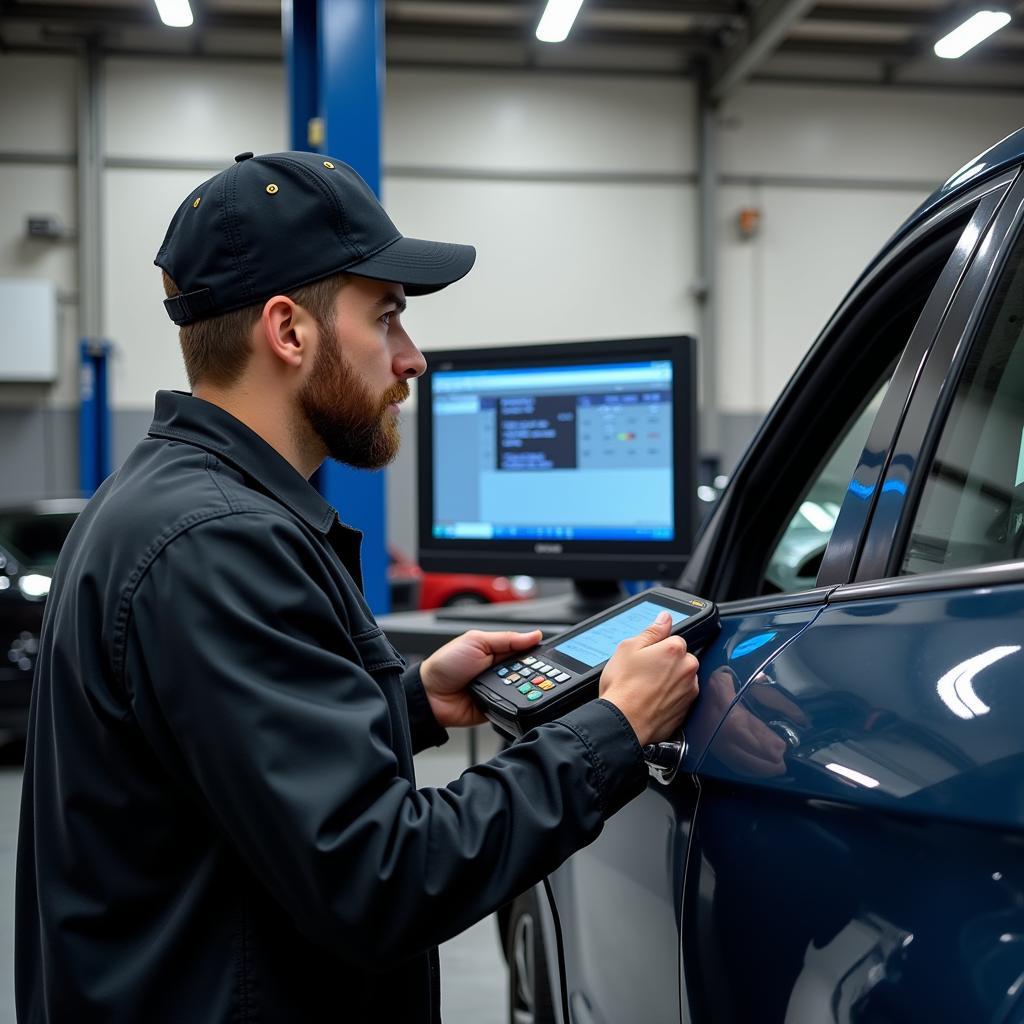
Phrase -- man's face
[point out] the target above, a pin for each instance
(359, 375)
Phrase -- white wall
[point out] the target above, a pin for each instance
(37, 104)
(514, 123)
(834, 172)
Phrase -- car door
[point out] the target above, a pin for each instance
(878, 875)
(618, 905)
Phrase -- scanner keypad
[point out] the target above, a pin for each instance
(532, 677)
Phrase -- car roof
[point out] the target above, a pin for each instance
(1003, 154)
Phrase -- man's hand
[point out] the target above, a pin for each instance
(450, 669)
(652, 680)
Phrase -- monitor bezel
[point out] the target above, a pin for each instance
(578, 559)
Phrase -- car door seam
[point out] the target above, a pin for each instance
(760, 668)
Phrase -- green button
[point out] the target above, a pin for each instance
(534, 695)
(526, 688)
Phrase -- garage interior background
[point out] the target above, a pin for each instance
(582, 172)
(601, 181)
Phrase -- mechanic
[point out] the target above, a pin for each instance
(220, 820)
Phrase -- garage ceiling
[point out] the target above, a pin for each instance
(725, 42)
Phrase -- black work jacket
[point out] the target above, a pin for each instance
(220, 820)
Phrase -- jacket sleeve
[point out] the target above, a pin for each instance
(236, 665)
(426, 732)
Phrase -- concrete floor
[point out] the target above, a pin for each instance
(10, 797)
(473, 975)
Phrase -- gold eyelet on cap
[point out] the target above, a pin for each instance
(329, 165)
(195, 205)
(272, 189)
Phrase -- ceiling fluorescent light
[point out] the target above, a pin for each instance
(174, 13)
(557, 19)
(970, 33)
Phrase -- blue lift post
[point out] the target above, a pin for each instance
(93, 416)
(334, 53)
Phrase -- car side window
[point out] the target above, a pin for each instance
(971, 510)
(795, 562)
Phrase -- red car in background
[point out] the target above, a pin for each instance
(412, 588)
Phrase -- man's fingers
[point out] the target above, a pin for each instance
(503, 642)
(657, 630)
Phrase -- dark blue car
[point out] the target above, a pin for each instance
(845, 839)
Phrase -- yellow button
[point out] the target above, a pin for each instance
(329, 165)
(195, 205)
(272, 189)
(546, 685)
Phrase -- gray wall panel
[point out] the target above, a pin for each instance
(38, 453)
(129, 426)
(737, 431)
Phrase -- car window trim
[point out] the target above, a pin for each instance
(914, 447)
(994, 574)
(776, 602)
(846, 543)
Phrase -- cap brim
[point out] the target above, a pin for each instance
(420, 266)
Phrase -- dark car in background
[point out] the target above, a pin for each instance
(844, 840)
(31, 537)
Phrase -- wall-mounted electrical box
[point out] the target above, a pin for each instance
(28, 330)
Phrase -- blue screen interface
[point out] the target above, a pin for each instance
(554, 452)
(598, 643)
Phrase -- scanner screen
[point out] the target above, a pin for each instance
(598, 643)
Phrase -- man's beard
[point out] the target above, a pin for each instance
(355, 427)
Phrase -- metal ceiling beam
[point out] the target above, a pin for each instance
(764, 35)
(766, 28)
(722, 8)
(699, 41)
(129, 17)
(400, 10)
(911, 17)
(895, 52)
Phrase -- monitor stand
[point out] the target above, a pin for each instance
(588, 597)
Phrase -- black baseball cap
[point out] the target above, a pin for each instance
(272, 223)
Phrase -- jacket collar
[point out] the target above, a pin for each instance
(183, 417)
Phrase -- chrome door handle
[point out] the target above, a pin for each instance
(665, 759)
(787, 732)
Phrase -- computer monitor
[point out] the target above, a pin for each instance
(573, 460)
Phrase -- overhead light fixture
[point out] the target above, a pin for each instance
(174, 13)
(976, 28)
(557, 19)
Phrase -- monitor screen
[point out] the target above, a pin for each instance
(582, 449)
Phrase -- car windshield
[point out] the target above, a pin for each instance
(35, 540)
